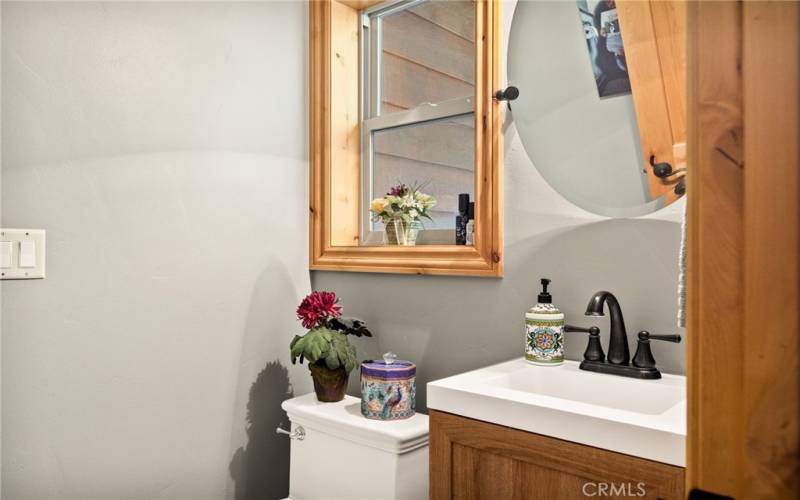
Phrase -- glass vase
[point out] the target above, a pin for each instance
(401, 233)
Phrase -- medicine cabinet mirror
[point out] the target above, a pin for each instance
(602, 108)
(405, 137)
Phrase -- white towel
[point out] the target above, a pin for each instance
(682, 273)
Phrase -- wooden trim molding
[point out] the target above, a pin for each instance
(743, 334)
(335, 172)
(715, 281)
(771, 403)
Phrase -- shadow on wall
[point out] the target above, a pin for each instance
(260, 469)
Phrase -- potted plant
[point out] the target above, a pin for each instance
(401, 212)
(330, 355)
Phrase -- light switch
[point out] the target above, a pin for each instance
(22, 254)
(27, 253)
(5, 254)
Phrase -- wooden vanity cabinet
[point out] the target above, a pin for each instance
(471, 459)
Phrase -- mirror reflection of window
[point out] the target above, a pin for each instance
(418, 124)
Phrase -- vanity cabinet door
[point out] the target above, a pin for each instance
(470, 459)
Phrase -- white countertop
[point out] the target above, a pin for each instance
(643, 418)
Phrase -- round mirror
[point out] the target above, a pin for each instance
(575, 114)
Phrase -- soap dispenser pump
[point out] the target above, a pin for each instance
(544, 331)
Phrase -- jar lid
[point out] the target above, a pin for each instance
(388, 367)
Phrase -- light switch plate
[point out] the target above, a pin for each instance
(24, 238)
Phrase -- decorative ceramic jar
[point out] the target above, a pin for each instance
(402, 233)
(388, 388)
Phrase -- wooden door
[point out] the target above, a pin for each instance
(743, 188)
(654, 34)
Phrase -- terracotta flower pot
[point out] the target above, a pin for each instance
(330, 385)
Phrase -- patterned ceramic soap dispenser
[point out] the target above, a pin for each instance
(544, 331)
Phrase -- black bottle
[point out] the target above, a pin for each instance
(462, 218)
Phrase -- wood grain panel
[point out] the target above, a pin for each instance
(538, 482)
(715, 184)
(473, 459)
(669, 26)
(480, 475)
(498, 472)
(319, 213)
(466, 461)
(345, 180)
(744, 221)
(771, 83)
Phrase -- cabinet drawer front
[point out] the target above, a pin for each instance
(470, 459)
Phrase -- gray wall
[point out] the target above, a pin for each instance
(449, 325)
(158, 146)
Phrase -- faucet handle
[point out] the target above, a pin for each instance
(644, 356)
(645, 335)
(592, 330)
(594, 350)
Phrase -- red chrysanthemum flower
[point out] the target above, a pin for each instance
(317, 308)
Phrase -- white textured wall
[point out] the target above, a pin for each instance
(163, 148)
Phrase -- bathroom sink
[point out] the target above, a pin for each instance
(644, 418)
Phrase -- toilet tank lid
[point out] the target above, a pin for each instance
(344, 420)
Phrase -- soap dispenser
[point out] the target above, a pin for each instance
(544, 331)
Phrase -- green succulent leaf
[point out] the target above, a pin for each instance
(352, 360)
(317, 345)
(296, 348)
(342, 353)
(332, 360)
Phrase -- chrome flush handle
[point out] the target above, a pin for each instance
(298, 433)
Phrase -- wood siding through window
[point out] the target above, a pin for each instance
(428, 56)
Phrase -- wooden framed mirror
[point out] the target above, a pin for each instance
(388, 112)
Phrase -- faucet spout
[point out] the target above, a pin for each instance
(618, 352)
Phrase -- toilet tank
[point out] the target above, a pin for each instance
(345, 456)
